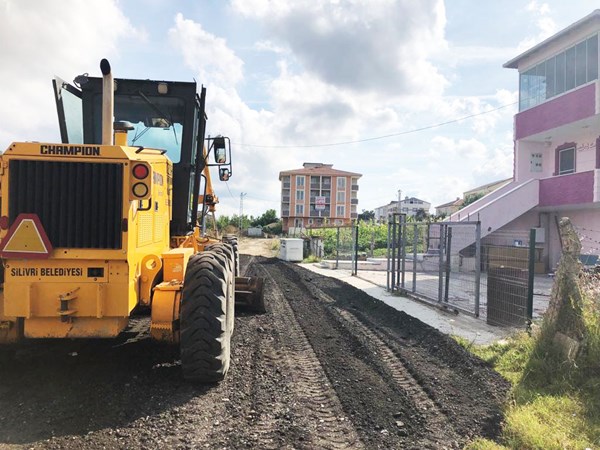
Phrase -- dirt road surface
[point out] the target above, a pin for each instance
(326, 367)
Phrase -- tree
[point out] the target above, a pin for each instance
(471, 199)
(366, 216)
(268, 217)
(421, 215)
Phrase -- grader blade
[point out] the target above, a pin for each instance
(249, 293)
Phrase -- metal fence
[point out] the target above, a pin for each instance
(335, 243)
(590, 247)
(450, 265)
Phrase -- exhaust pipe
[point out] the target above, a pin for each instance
(108, 103)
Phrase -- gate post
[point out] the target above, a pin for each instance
(530, 280)
(448, 247)
(442, 248)
(477, 267)
(337, 249)
(414, 271)
(394, 248)
(355, 265)
(403, 247)
(387, 268)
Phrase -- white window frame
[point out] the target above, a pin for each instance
(341, 208)
(300, 180)
(300, 209)
(340, 196)
(565, 172)
(300, 195)
(341, 183)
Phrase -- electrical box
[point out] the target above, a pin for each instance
(291, 249)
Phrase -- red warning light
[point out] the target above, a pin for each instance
(140, 171)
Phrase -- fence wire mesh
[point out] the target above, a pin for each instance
(449, 264)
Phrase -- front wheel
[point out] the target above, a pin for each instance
(204, 331)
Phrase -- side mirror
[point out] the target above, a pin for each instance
(220, 150)
(224, 174)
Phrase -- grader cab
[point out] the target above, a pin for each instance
(115, 217)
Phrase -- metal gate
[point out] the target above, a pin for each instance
(449, 264)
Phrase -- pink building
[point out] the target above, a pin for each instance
(557, 142)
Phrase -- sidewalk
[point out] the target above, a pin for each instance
(470, 328)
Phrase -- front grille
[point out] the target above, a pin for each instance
(79, 203)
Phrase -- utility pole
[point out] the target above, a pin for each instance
(242, 195)
(399, 200)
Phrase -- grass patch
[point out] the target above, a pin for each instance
(311, 259)
(553, 404)
(275, 245)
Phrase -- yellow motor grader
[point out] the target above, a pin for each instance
(114, 218)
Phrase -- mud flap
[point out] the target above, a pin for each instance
(249, 293)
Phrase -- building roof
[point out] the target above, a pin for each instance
(408, 199)
(319, 169)
(488, 185)
(590, 18)
(457, 202)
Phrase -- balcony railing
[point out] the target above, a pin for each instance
(285, 199)
(320, 213)
(355, 187)
(354, 201)
(285, 213)
(354, 216)
(286, 185)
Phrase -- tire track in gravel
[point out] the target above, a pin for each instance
(383, 413)
(326, 423)
(435, 419)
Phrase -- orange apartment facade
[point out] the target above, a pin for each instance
(318, 195)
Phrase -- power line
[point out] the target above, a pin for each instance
(230, 194)
(385, 136)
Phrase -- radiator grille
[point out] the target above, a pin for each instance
(79, 203)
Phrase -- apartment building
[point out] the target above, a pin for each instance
(317, 195)
(409, 206)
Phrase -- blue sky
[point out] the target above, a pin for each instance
(283, 76)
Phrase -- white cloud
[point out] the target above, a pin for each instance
(381, 46)
(546, 26)
(43, 39)
(207, 54)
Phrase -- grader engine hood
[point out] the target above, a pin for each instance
(73, 221)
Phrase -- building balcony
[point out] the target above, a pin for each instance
(315, 185)
(320, 213)
(571, 189)
(355, 187)
(354, 201)
(285, 199)
(286, 185)
(285, 213)
(562, 110)
(354, 215)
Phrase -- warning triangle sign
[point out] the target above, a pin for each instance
(26, 239)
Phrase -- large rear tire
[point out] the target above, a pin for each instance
(205, 333)
(232, 240)
(225, 251)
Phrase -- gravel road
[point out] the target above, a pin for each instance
(326, 367)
